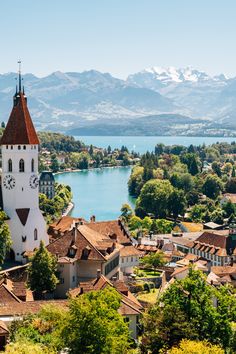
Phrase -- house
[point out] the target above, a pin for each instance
(47, 184)
(81, 252)
(129, 258)
(130, 307)
(219, 248)
(228, 197)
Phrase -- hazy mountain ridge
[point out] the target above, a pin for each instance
(92, 101)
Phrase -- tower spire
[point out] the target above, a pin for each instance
(19, 74)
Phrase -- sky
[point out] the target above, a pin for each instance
(117, 36)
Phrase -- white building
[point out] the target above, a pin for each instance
(19, 183)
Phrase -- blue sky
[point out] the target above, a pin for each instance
(117, 36)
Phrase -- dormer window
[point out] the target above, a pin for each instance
(21, 165)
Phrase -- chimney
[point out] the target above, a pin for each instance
(93, 218)
(208, 266)
(99, 273)
(75, 230)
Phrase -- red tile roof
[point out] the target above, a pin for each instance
(20, 128)
(110, 228)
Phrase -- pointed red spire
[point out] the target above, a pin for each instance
(20, 129)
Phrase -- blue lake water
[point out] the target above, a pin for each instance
(143, 143)
(99, 192)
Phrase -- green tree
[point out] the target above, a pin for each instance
(216, 168)
(126, 212)
(42, 271)
(229, 208)
(196, 213)
(26, 347)
(233, 172)
(135, 223)
(212, 186)
(54, 163)
(95, 326)
(5, 237)
(161, 226)
(189, 301)
(230, 186)
(154, 260)
(196, 347)
(177, 203)
(154, 197)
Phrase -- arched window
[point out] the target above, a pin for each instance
(32, 165)
(21, 166)
(10, 165)
(35, 234)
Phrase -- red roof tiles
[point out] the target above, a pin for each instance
(20, 128)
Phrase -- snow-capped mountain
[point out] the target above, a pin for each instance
(179, 101)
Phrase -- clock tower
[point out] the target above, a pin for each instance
(20, 194)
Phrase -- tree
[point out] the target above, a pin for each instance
(126, 212)
(196, 347)
(229, 208)
(161, 226)
(27, 347)
(54, 163)
(154, 260)
(5, 237)
(197, 212)
(135, 223)
(177, 203)
(216, 168)
(42, 271)
(95, 326)
(212, 186)
(154, 197)
(233, 174)
(230, 186)
(189, 301)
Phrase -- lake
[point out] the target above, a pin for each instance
(143, 143)
(99, 192)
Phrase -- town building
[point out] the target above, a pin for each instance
(219, 248)
(47, 184)
(19, 183)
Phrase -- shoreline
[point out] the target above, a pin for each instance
(91, 169)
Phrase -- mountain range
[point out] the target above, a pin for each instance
(155, 101)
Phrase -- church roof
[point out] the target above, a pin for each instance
(20, 128)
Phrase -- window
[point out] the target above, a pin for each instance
(10, 165)
(24, 147)
(61, 280)
(73, 279)
(11, 147)
(35, 234)
(21, 166)
(112, 265)
(7, 147)
(32, 165)
(19, 147)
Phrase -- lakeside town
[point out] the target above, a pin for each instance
(158, 279)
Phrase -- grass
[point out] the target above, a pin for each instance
(149, 297)
(147, 273)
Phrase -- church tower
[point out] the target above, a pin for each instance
(20, 194)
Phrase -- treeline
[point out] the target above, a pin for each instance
(56, 142)
(176, 179)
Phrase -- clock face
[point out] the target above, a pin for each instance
(9, 182)
(34, 181)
